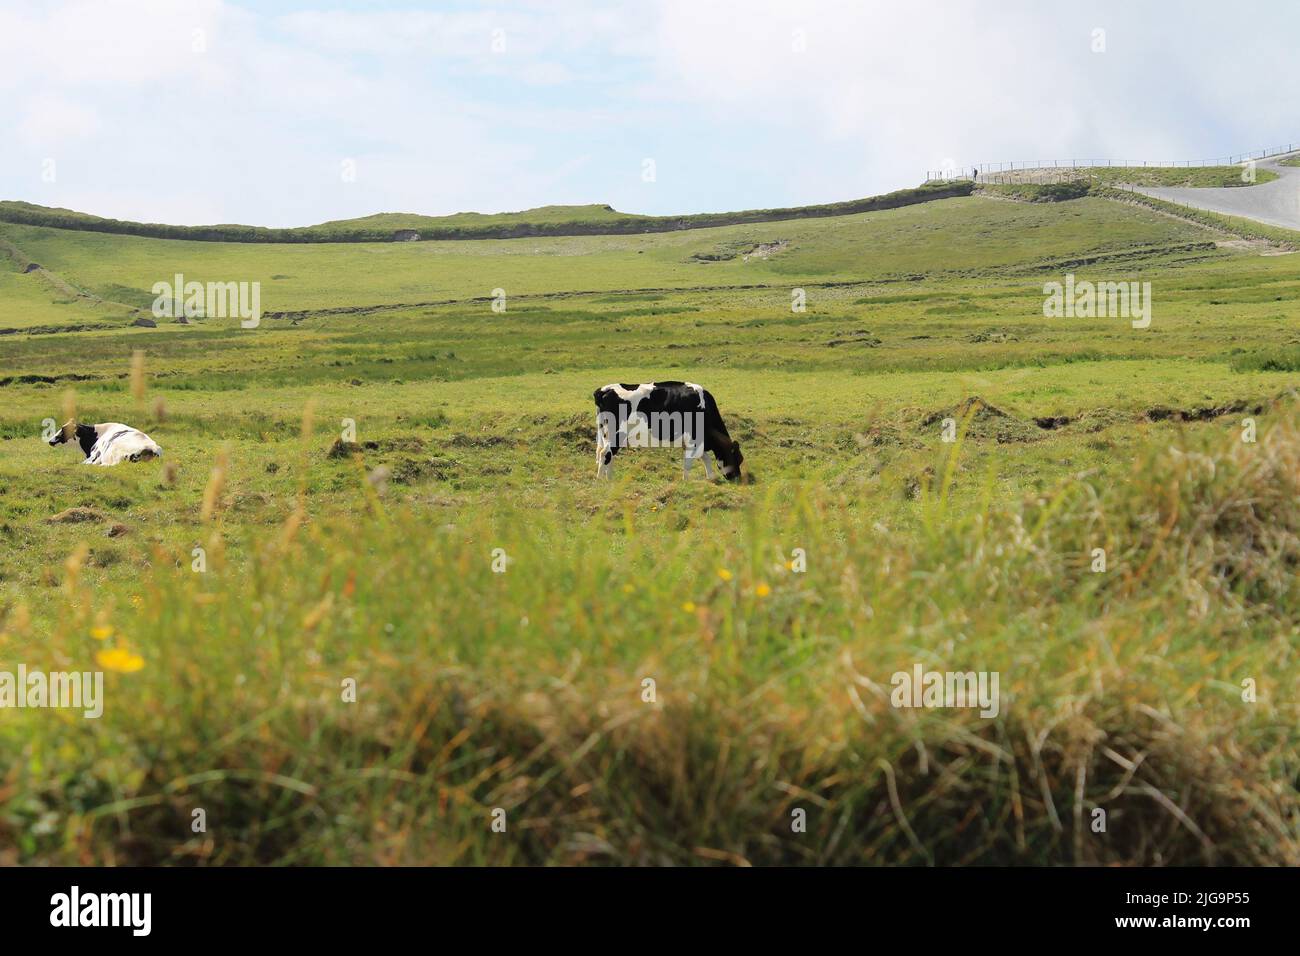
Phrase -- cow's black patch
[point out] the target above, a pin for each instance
(86, 438)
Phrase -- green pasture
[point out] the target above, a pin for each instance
(394, 485)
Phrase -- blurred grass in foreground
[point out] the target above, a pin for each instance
(523, 690)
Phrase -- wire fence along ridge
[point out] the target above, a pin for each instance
(988, 172)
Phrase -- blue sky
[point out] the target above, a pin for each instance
(297, 112)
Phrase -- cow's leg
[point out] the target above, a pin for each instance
(708, 472)
(605, 452)
(687, 461)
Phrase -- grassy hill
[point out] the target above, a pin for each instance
(955, 238)
(545, 221)
(333, 555)
(548, 215)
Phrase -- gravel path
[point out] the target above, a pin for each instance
(1275, 204)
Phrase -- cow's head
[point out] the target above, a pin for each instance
(84, 435)
(730, 461)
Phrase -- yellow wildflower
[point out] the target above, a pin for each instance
(119, 659)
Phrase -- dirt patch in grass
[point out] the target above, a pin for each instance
(346, 449)
(1161, 413)
(993, 335)
(409, 470)
(1052, 422)
(76, 516)
(478, 441)
(765, 250)
(854, 337)
(45, 379)
(987, 422)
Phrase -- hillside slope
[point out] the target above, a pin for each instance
(545, 221)
(955, 238)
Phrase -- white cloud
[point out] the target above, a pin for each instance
(95, 43)
(395, 33)
(249, 118)
(49, 120)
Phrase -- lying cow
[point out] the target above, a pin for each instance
(663, 413)
(108, 444)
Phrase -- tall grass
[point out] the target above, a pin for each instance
(1122, 690)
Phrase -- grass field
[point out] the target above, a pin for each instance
(1196, 176)
(769, 615)
(1200, 176)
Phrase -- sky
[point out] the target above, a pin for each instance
(294, 113)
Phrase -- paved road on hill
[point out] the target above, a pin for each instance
(1275, 204)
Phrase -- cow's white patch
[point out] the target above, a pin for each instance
(117, 443)
(699, 390)
(632, 396)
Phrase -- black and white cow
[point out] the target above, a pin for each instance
(655, 414)
(110, 443)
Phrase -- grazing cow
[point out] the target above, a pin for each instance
(108, 444)
(663, 413)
